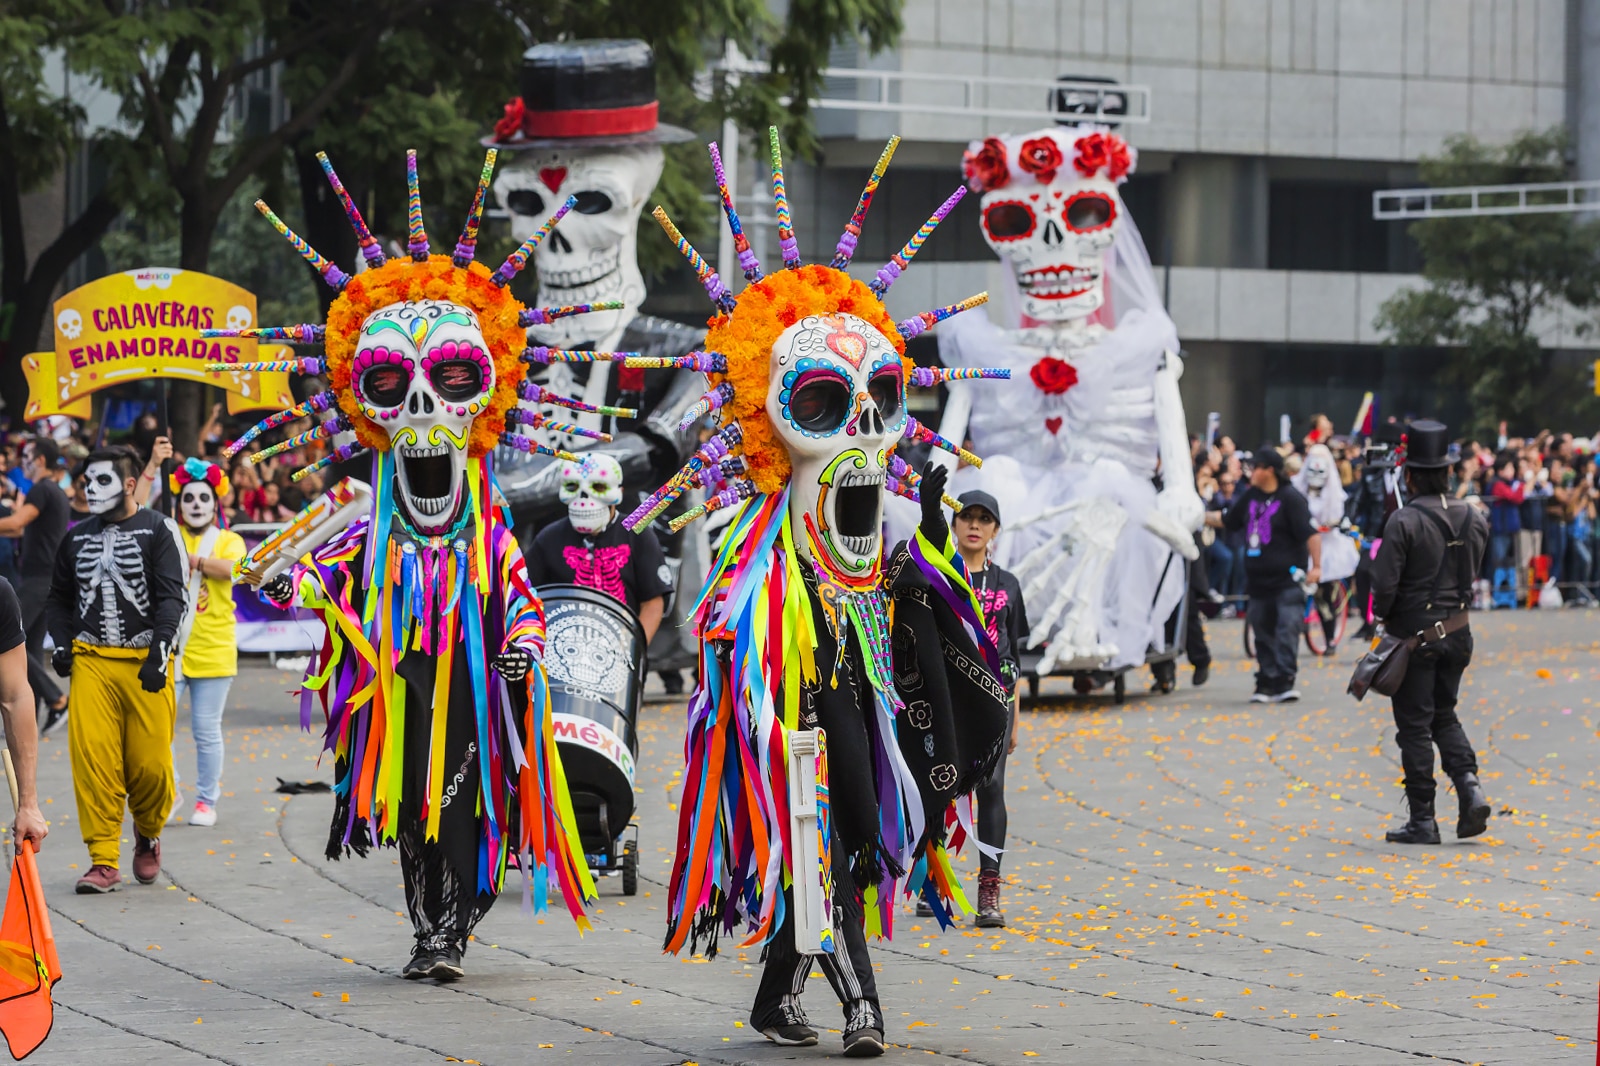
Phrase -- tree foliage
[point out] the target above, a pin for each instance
(1491, 279)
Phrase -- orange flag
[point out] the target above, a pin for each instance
(28, 963)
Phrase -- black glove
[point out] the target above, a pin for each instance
(61, 659)
(280, 590)
(1008, 675)
(934, 527)
(513, 663)
(153, 674)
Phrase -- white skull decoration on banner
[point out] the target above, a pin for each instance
(838, 407)
(591, 488)
(594, 255)
(1051, 210)
(422, 373)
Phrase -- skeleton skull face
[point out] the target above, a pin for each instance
(1318, 466)
(422, 373)
(103, 487)
(70, 323)
(1055, 234)
(592, 256)
(197, 505)
(591, 488)
(239, 317)
(837, 403)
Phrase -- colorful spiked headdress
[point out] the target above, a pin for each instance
(419, 275)
(745, 458)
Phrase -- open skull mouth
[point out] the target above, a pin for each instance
(856, 500)
(1061, 282)
(553, 277)
(430, 483)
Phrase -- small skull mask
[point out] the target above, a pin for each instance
(1051, 210)
(593, 255)
(1318, 467)
(422, 373)
(197, 505)
(837, 403)
(103, 487)
(591, 488)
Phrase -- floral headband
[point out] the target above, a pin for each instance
(996, 162)
(199, 470)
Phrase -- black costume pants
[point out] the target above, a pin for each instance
(1275, 623)
(32, 595)
(991, 797)
(441, 876)
(1425, 714)
(1195, 648)
(848, 969)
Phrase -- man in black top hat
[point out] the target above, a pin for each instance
(586, 125)
(1422, 585)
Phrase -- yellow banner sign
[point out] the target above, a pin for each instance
(147, 323)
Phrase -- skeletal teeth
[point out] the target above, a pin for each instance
(859, 545)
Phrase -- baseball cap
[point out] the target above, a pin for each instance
(1267, 456)
(977, 498)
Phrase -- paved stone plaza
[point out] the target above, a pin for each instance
(1191, 879)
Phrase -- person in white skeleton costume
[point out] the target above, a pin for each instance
(1093, 416)
(1318, 481)
(117, 602)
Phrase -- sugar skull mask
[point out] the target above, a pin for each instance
(590, 488)
(594, 256)
(422, 373)
(1051, 210)
(837, 404)
(1319, 466)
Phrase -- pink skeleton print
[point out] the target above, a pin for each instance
(600, 568)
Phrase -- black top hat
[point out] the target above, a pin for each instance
(1427, 444)
(585, 93)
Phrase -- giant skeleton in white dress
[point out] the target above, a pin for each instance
(1093, 412)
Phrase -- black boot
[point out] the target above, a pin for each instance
(1421, 829)
(1475, 808)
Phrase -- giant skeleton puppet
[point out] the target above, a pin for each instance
(1076, 450)
(586, 127)
(431, 676)
(825, 748)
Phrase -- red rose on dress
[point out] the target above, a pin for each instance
(1053, 376)
(1103, 150)
(986, 168)
(1041, 158)
(510, 126)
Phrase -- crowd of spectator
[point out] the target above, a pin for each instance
(1539, 493)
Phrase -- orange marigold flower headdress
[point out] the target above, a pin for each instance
(455, 278)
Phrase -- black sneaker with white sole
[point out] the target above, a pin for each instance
(1288, 695)
(863, 1043)
(790, 1028)
(55, 718)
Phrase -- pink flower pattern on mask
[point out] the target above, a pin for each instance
(600, 568)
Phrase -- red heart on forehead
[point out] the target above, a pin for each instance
(1053, 425)
(553, 177)
(848, 346)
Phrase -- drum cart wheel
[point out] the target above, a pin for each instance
(630, 865)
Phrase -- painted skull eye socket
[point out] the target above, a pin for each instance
(820, 402)
(591, 202)
(1090, 211)
(887, 391)
(572, 488)
(1008, 220)
(525, 202)
(456, 379)
(600, 488)
(386, 385)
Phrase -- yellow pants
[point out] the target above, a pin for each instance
(121, 741)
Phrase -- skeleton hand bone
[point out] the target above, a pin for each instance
(1170, 520)
(1088, 538)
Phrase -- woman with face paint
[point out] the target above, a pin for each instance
(208, 652)
(116, 602)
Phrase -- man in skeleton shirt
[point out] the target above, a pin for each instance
(116, 604)
(591, 549)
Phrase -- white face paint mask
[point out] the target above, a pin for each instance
(591, 489)
(103, 488)
(197, 505)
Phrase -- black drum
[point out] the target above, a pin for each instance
(594, 656)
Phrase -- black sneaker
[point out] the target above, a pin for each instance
(447, 965)
(863, 1043)
(785, 1034)
(1202, 673)
(923, 908)
(420, 966)
(55, 718)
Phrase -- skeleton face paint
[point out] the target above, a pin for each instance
(103, 487)
(593, 255)
(838, 405)
(1318, 466)
(1055, 237)
(422, 372)
(591, 489)
(197, 505)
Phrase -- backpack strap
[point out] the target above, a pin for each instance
(1453, 542)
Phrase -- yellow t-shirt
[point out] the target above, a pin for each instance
(213, 648)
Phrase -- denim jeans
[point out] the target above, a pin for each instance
(207, 697)
(1275, 623)
(1219, 566)
(1555, 546)
(1500, 551)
